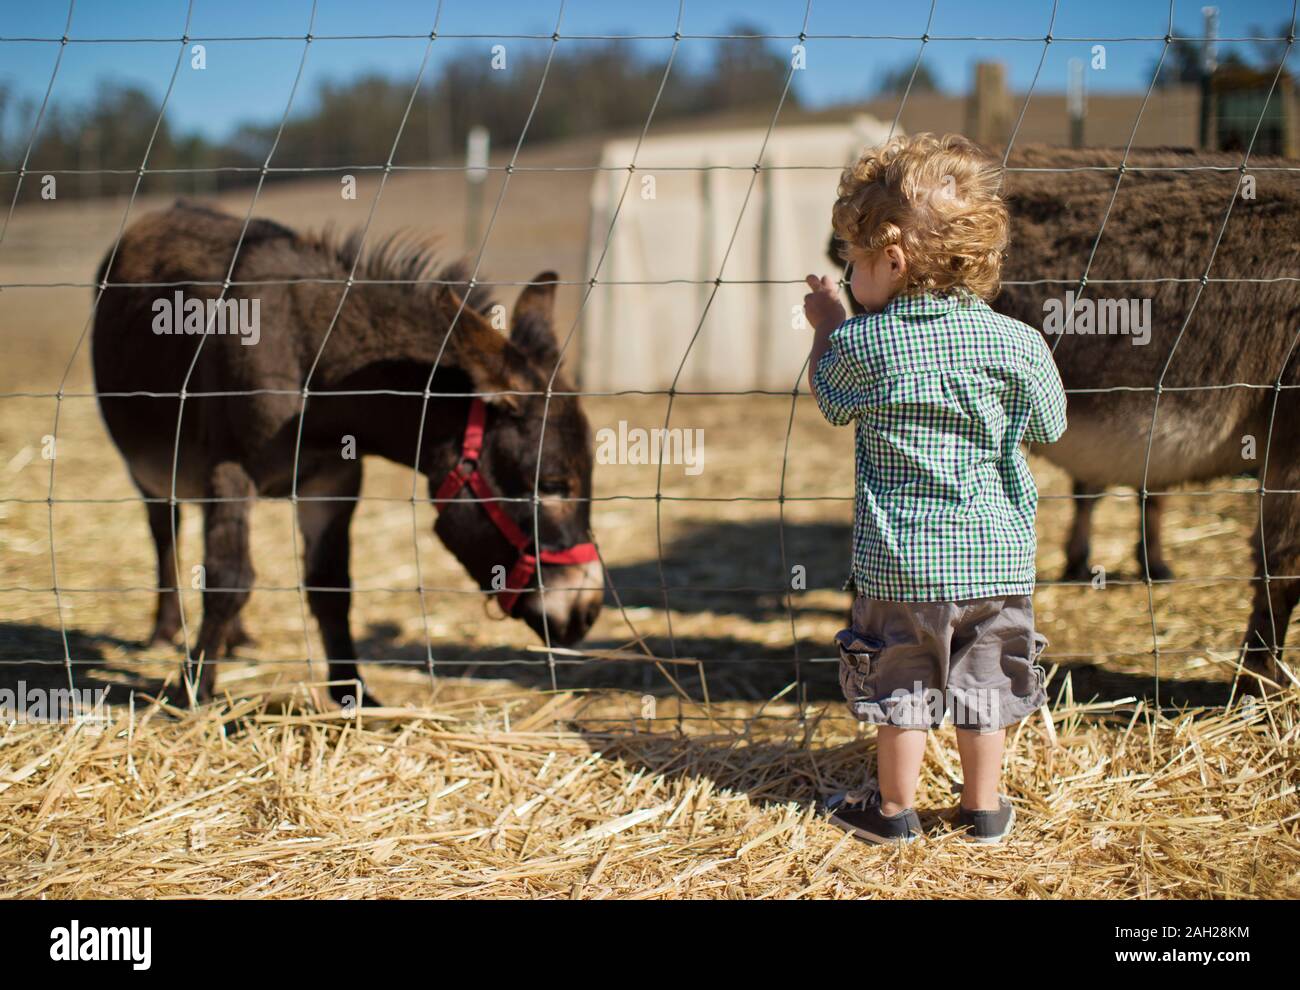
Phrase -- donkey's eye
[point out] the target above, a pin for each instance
(553, 486)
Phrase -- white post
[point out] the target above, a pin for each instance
(1075, 101)
(476, 172)
(1209, 49)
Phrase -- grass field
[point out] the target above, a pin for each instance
(677, 755)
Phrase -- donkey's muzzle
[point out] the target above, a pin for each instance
(568, 603)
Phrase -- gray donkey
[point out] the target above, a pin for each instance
(478, 433)
(1146, 339)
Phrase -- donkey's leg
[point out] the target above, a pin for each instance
(1277, 542)
(228, 568)
(237, 635)
(167, 620)
(1150, 545)
(326, 559)
(1080, 542)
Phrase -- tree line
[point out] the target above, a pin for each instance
(591, 88)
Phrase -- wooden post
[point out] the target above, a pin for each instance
(708, 271)
(1286, 92)
(988, 110)
(767, 314)
(1209, 62)
(608, 332)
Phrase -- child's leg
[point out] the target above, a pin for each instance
(981, 768)
(899, 753)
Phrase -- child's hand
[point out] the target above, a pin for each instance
(822, 306)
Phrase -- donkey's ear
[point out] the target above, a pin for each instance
(483, 354)
(532, 327)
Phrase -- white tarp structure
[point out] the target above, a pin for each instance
(668, 247)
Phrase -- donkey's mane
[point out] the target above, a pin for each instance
(409, 262)
(406, 258)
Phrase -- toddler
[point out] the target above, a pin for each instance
(942, 390)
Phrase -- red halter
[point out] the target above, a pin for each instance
(466, 472)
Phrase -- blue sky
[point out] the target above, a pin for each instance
(251, 79)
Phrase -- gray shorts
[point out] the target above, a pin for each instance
(909, 664)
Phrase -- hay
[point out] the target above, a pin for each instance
(486, 781)
(483, 793)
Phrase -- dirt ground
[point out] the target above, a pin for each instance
(685, 778)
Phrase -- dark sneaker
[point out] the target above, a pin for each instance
(859, 813)
(988, 827)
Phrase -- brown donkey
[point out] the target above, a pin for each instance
(1217, 368)
(478, 434)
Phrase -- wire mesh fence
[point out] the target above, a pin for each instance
(528, 510)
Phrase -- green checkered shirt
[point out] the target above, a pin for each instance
(943, 390)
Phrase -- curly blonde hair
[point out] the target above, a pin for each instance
(936, 198)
